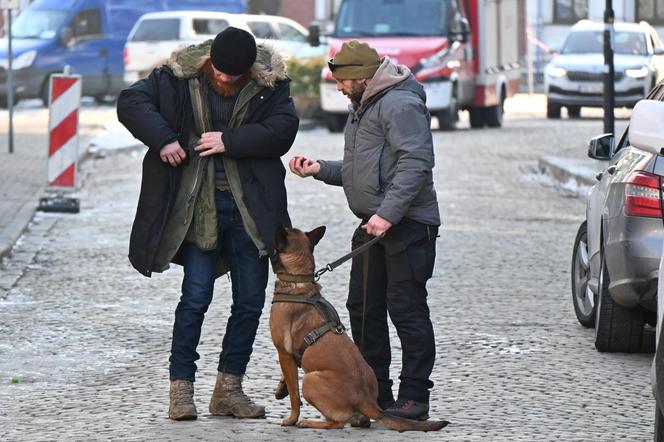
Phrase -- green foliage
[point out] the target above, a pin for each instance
(305, 74)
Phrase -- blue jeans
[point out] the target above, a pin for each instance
(248, 273)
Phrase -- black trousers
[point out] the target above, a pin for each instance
(398, 269)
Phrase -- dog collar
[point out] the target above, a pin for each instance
(288, 277)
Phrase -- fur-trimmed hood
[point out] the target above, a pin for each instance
(267, 70)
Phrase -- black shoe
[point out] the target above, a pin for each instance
(409, 409)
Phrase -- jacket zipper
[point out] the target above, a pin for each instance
(191, 195)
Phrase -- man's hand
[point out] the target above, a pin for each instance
(173, 154)
(210, 144)
(304, 167)
(377, 226)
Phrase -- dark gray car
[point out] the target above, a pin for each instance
(618, 248)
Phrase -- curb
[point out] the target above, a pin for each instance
(580, 172)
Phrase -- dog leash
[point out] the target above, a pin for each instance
(330, 267)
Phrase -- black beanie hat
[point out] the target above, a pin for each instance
(233, 51)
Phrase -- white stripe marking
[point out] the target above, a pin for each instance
(65, 104)
(62, 158)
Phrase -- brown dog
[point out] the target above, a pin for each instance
(337, 380)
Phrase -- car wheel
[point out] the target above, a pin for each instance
(335, 122)
(552, 110)
(583, 297)
(659, 425)
(617, 329)
(476, 117)
(574, 111)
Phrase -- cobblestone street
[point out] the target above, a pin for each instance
(84, 339)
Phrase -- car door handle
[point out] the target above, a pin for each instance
(103, 52)
(612, 169)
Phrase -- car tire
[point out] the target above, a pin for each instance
(552, 110)
(574, 111)
(335, 122)
(659, 425)
(583, 298)
(617, 329)
(476, 115)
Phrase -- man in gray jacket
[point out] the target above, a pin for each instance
(386, 173)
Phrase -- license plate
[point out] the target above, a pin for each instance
(590, 88)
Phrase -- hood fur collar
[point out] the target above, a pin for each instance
(267, 70)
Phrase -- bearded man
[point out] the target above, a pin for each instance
(216, 119)
(386, 173)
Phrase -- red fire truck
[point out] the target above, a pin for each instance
(468, 54)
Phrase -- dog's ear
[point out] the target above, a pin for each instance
(280, 237)
(316, 235)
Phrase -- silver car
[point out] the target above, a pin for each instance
(618, 248)
(574, 78)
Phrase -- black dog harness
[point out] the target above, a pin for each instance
(332, 321)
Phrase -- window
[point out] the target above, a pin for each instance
(570, 11)
(261, 29)
(651, 11)
(163, 29)
(209, 26)
(87, 24)
(289, 33)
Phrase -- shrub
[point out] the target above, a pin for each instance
(305, 85)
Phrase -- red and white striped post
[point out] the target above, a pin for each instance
(64, 103)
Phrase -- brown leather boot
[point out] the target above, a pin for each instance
(181, 397)
(228, 399)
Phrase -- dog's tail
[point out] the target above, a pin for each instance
(398, 423)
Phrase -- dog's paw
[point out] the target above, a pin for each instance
(281, 390)
(289, 421)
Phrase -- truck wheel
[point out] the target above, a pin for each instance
(335, 122)
(617, 329)
(583, 297)
(447, 118)
(493, 115)
(552, 110)
(476, 117)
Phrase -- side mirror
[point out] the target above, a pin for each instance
(460, 30)
(659, 51)
(66, 36)
(601, 147)
(314, 34)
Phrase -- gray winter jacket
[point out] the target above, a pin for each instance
(388, 154)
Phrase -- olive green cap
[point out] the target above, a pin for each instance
(355, 60)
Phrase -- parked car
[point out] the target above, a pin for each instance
(658, 360)
(86, 35)
(618, 248)
(156, 35)
(574, 77)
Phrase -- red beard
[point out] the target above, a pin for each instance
(222, 88)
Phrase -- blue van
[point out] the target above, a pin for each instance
(86, 35)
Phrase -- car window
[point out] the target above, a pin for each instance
(160, 29)
(87, 24)
(630, 43)
(261, 29)
(289, 33)
(585, 42)
(209, 26)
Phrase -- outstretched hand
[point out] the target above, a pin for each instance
(304, 167)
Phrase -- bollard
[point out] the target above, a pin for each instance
(64, 103)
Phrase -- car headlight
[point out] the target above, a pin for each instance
(555, 71)
(24, 60)
(639, 72)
